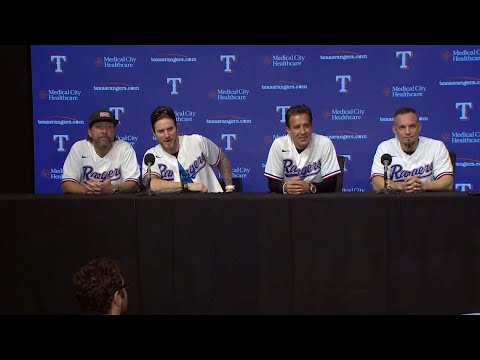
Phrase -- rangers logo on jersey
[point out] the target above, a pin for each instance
(309, 169)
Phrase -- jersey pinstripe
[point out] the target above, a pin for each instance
(430, 160)
(197, 154)
(317, 162)
(83, 163)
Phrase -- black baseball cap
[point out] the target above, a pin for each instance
(102, 115)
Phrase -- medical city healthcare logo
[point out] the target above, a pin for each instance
(53, 173)
(268, 139)
(115, 61)
(60, 94)
(396, 91)
(462, 55)
(185, 115)
(343, 114)
(238, 94)
(284, 60)
(238, 172)
(465, 137)
(130, 138)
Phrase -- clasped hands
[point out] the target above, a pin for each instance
(413, 184)
(97, 186)
(296, 186)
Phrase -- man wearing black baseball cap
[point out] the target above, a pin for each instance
(101, 164)
(102, 115)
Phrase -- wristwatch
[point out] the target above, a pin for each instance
(312, 189)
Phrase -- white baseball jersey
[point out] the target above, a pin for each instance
(196, 155)
(83, 163)
(430, 160)
(317, 162)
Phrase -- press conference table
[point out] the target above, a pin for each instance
(247, 253)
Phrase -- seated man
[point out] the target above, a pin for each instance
(301, 162)
(100, 288)
(418, 163)
(184, 162)
(101, 164)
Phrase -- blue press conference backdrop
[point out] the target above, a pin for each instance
(237, 96)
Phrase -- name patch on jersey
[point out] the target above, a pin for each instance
(88, 173)
(398, 174)
(292, 170)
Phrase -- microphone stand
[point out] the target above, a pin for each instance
(148, 179)
(385, 189)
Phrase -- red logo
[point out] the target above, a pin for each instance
(446, 56)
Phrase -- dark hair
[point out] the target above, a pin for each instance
(95, 285)
(296, 110)
(162, 112)
(405, 110)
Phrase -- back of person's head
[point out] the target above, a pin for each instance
(297, 110)
(162, 112)
(99, 287)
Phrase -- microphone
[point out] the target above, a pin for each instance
(386, 160)
(148, 160)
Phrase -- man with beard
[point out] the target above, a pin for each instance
(418, 163)
(183, 163)
(101, 164)
(100, 288)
